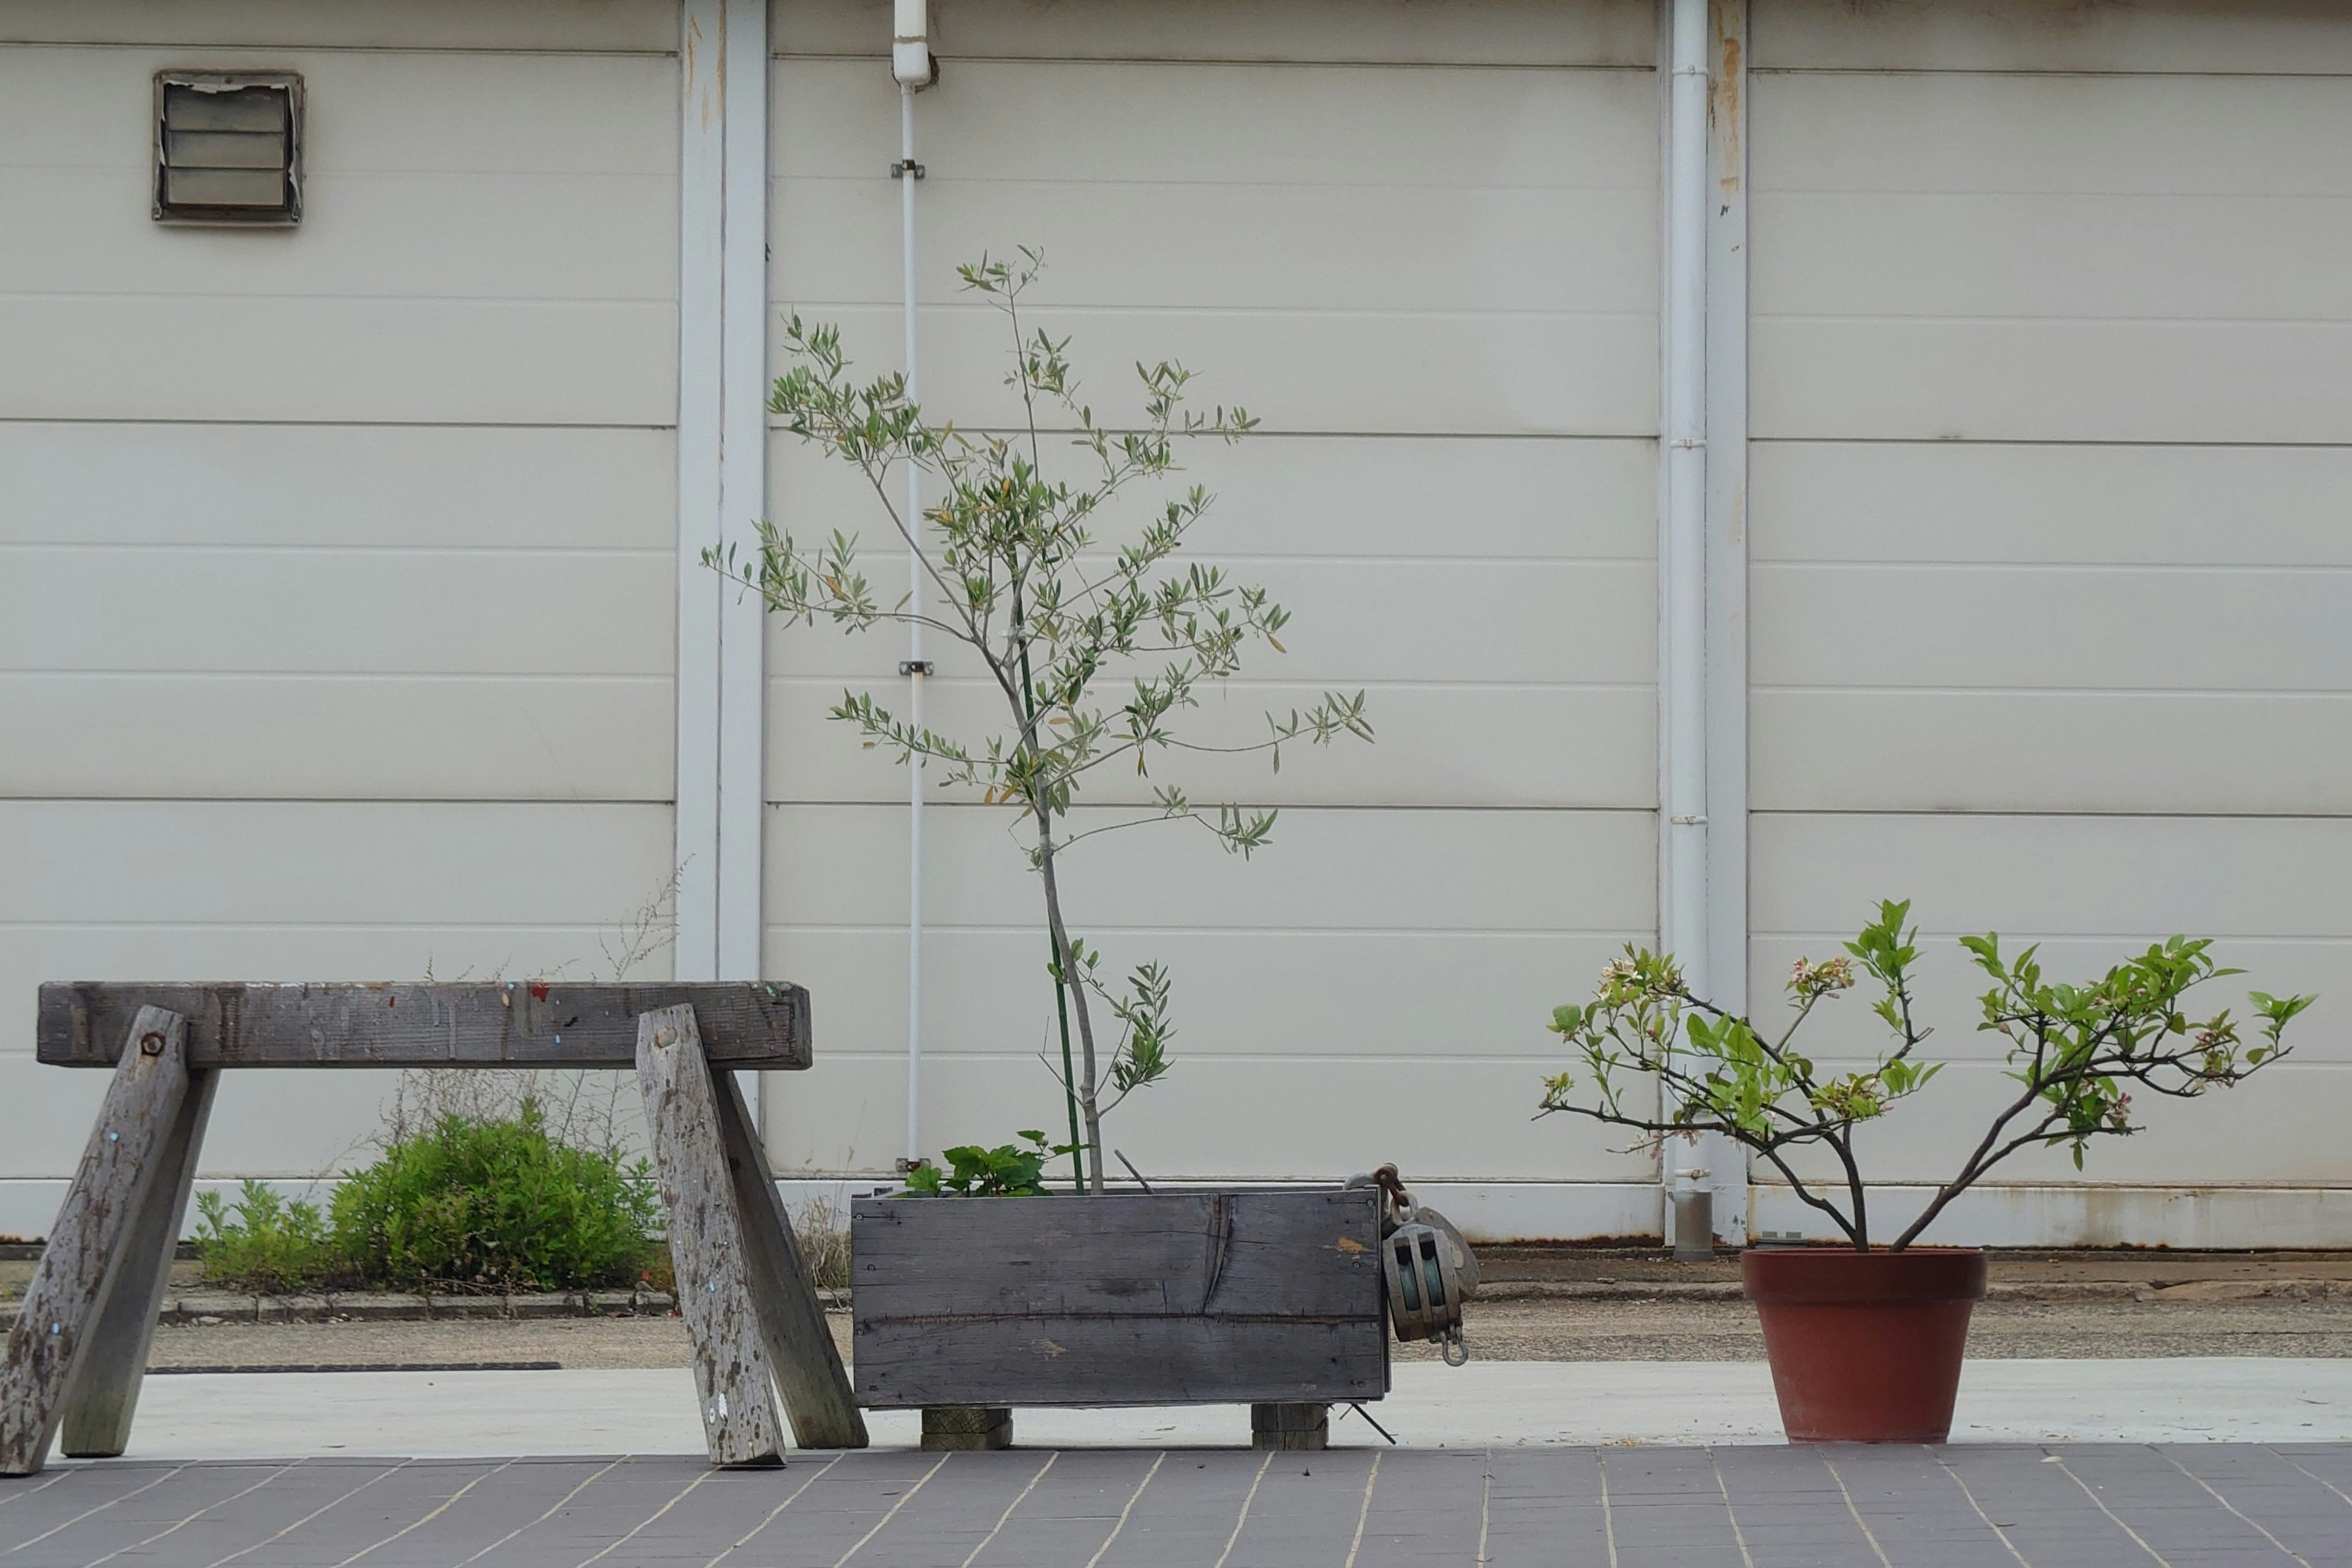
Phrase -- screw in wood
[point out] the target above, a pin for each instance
(151, 1044)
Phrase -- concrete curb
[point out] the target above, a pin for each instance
(212, 1307)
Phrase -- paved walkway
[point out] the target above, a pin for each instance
(1739, 1507)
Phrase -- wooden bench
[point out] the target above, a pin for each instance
(79, 1349)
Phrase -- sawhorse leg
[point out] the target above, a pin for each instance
(731, 1377)
(79, 1351)
(801, 1351)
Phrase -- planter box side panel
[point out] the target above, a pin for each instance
(1119, 1360)
(1131, 1298)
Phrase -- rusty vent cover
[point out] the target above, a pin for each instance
(228, 148)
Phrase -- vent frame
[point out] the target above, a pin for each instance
(285, 214)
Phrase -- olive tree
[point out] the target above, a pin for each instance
(1093, 639)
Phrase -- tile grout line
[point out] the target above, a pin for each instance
(288, 1530)
(2323, 1480)
(1867, 1533)
(192, 1519)
(773, 1512)
(1608, 1519)
(1363, 1513)
(905, 1497)
(641, 1524)
(86, 1514)
(2100, 1503)
(1485, 1501)
(995, 1528)
(1131, 1499)
(1248, 1499)
(1947, 1467)
(1739, 1536)
(442, 1508)
(2225, 1502)
(53, 1480)
(543, 1517)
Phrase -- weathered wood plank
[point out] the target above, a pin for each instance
(732, 1376)
(510, 1024)
(1118, 1361)
(55, 1325)
(1290, 1427)
(104, 1393)
(800, 1352)
(1312, 1253)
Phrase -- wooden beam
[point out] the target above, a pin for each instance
(104, 1393)
(731, 1374)
(809, 1374)
(56, 1326)
(509, 1024)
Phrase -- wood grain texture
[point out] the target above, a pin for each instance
(1269, 1296)
(1021, 1361)
(1291, 1254)
(731, 1377)
(1290, 1426)
(67, 1297)
(800, 1352)
(514, 1023)
(103, 1395)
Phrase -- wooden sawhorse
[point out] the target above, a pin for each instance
(79, 1351)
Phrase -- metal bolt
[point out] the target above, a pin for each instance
(151, 1044)
(665, 1035)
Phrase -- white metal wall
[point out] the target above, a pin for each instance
(336, 565)
(1420, 240)
(2051, 353)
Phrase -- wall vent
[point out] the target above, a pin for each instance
(228, 148)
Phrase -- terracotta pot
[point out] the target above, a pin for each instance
(1865, 1347)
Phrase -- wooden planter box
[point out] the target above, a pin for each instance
(1235, 1296)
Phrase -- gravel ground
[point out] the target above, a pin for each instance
(1538, 1330)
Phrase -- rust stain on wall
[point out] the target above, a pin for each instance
(1723, 106)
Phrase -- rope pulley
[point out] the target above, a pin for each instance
(1426, 1265)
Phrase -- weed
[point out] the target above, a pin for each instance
(262, 1244)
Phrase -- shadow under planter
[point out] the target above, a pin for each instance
(1270, 1297)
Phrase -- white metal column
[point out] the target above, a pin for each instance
(1727, 557)
(722, 477)
(1682, 924)
(700, 289)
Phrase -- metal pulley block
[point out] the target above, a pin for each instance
(1426, 1266)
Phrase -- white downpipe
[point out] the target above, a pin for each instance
(915, 668)
(1682, 836)
(911, 64)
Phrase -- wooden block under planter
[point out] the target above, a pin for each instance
(962, 1429)
(1264, 1296)
(1290, 1426)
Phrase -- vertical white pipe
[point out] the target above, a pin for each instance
(702, 185)
(915, 668)
(1683, 888)
(1727, 556)
(743, 497)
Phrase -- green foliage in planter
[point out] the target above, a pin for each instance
(497, 1204)
(262, 1243)
(1092, 640)
(1007, 1171)
(2075, 1051)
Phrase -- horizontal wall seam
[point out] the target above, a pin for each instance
(1181, 62)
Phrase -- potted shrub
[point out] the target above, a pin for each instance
(1091, 645)
(1865, 1341)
